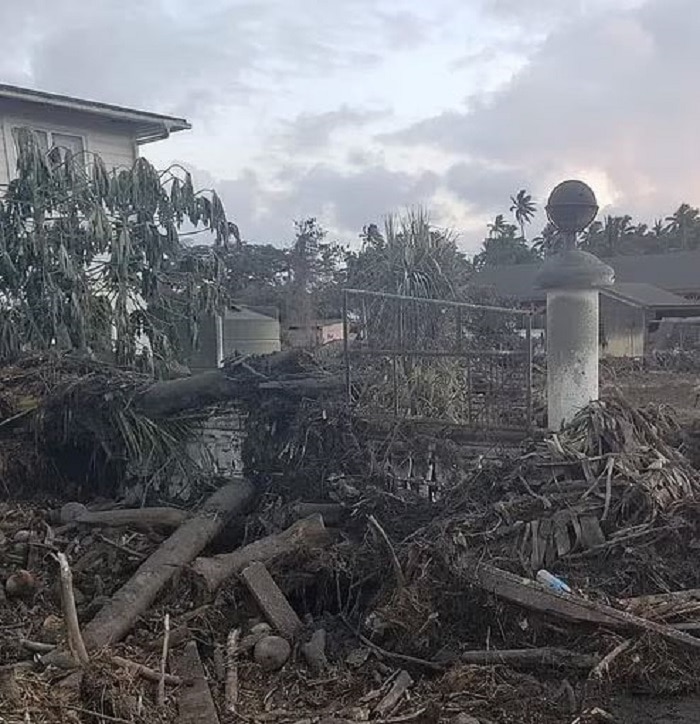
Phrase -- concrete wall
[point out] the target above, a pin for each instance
(216, 448)
(113, 141)
(623, 328)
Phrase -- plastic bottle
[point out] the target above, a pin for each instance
(547, 579)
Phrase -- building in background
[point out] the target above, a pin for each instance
(240, 330)
(113, 132)
(647, 289)
(316, 334)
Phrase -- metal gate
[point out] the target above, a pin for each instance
(436, 360)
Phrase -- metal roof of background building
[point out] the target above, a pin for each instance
(673, 272)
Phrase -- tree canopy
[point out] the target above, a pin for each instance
(611, 236)
(93, 261)
(411, 257)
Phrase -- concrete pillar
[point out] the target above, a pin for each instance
(572, 279)
(572, 353)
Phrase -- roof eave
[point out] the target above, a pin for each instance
(158, 132)
(150, 123)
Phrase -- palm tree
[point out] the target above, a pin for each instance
(658, 229)
(684, 224)
(523, 208)
(545, 243)
(591, 238)
(615, 230)
(497, 228)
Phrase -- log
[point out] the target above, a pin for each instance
(534, 596)
(209, 388)
(531, 658)
(133, 599)
(142, 518)
(307, 533)
(195, 703)
(201, 390)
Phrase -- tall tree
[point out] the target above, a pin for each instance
(504, 250)
(616, 230)
(411, 258)
(684, 226)
(523, 208)
(545, 244)
(658, 229)
(93, 261)
(499, 227)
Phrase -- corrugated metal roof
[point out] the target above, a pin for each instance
(147, 124)
(647, 295)
(674, 272)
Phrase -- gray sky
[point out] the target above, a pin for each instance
(351, 109)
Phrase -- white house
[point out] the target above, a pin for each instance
(113, 132)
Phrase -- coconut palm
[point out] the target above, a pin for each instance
(683, 224)
(497, 226)
(546, 242)
(523, 208)
(658, 229)
(615, 230)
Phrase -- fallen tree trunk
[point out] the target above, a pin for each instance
(116, 618)
(208, 388)
(200, 390)
(306, 533)
(142, 518)
(526, 658)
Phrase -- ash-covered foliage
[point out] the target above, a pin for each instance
(92, 260)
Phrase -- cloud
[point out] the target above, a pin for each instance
(352, 199)
(174, 55)
(609, 96)
(484, 189)
(313, 131)
(343, 201)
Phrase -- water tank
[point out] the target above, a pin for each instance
(249, 331)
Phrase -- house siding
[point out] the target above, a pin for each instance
(114, 142)
(623, 328)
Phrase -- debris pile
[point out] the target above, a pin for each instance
(360, 571)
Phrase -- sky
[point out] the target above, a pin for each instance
(349, 110)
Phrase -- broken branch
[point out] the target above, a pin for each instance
(308, 533)
(117, 617)
(70, 613)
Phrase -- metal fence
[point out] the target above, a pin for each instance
(436, 360)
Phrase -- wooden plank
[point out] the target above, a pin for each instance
(273, 603)
(402, 683)
(532, 595)
(591, 532)
(561, 532)
(195, 702)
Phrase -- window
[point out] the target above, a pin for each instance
(49, 140)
